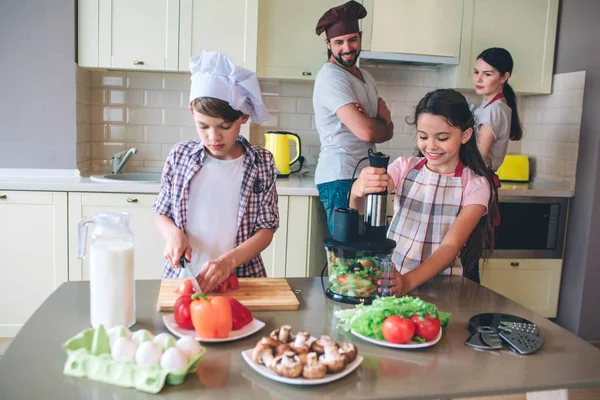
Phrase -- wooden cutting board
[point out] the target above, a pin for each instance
(264, 294)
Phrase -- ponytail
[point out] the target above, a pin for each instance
(515, 123)
(501, 59)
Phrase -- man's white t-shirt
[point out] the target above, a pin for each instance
(213, 209)
(340, 148)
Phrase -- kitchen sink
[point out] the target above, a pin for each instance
(128, 177)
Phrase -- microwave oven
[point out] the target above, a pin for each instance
(531, 227)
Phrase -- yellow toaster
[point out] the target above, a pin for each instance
(514, 168)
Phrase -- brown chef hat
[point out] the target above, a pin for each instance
(341, 20)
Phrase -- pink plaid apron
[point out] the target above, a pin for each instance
(427, 204)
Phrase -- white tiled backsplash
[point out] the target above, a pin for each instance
(552, 124)
(118, 110)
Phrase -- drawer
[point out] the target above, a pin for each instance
(118, 199)
(25, 197)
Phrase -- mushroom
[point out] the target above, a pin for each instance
(283, 334)
(263, 353)
(303, 358)
(300, 345)
(314, 369)
(282, 348)
(349, 351)
(333, 360)
(288, 365)
(318, 346)
(272, 343)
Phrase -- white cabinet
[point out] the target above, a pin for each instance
(33, 245)
(423, 27)
(226, 26)
(132, 34)
(533, 283)
(288, 47)
(525, 28)
(297, 248)
(148, 244)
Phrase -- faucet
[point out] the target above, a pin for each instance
(120, 159)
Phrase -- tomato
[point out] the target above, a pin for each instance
(181, 311)
(233, 281)
(398, 330)
(185, 288)
(211, 317)
(427, 328)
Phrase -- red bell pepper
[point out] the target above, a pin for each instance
(233, 282)
(240, 315)
(181, 311)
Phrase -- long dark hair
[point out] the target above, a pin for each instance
(453, 106)
(501, 59)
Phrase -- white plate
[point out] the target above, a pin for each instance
(409, 345)
(247, 330)
(264, 371)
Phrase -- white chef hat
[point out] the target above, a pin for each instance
(214, 75)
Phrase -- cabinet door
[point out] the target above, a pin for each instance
(149, 245)
(33, 244)
(425, 27)
(138, 34)
(287, 44)
(525, 28)
(226, 26)
(533, 283)
(274, 255)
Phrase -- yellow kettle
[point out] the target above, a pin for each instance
(278, 143)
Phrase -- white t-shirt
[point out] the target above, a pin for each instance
(497, 117)
(340, 148)
(213, 209)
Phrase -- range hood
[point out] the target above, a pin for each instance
(405, 58)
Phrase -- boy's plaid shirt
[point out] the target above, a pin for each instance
(258, 197)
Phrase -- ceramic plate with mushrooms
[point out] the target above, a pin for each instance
(299, 358)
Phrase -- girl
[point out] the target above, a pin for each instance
(218, 203)
(443, 210)
(497, 119)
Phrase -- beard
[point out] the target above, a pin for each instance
(349, 63)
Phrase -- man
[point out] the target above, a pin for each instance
(349, 114)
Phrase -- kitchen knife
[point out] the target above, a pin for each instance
(189, 273)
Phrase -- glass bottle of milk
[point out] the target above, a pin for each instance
(112, 285)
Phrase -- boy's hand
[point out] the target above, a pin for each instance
(396, 283)
(177, 245)
(214, 272)
(371, 180)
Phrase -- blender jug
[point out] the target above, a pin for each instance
(112, 285)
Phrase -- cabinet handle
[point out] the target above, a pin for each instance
(514, 264)
(132, 200)
(138, 63)
(3, 197)
(306, 73)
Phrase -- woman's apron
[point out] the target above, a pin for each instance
(428, 205)
(494, 175)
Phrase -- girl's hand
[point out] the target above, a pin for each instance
(371, 180)
(397, 284)
(176, 246)
(214, 272)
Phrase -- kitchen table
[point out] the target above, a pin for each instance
(32, 365)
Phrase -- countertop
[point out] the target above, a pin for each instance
(295, 185)
(32, 366)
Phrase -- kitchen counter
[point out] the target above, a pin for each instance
(32, 365)
(294, 185)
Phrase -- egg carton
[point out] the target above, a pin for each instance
(88, 356)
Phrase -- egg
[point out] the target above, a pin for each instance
(142, 335)
(148, 353)
(123, 349)
(116, 332)
(188, 346)
(164, 340)
(173, 360)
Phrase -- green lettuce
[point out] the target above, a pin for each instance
(368, 319)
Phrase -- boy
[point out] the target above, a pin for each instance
(218, 202)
